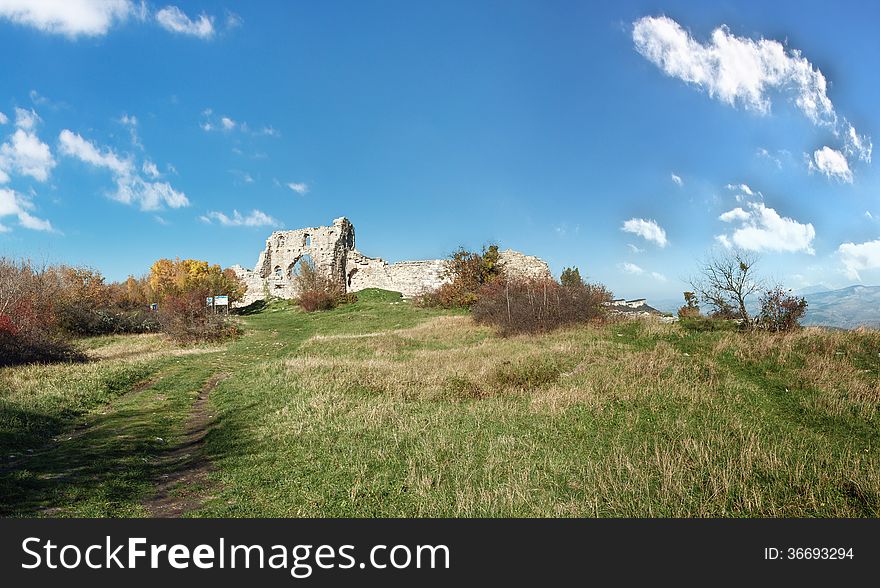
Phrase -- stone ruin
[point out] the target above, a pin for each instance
(333, 253)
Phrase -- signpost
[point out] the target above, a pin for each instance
(222, 301)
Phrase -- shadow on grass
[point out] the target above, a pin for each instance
(109, 464)
(251, 309)
(102, 465)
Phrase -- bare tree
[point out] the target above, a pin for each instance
(725, 281)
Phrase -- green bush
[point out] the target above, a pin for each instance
(704, 323)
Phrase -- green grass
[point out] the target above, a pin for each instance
(379, 408)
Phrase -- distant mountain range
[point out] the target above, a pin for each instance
(845, 308)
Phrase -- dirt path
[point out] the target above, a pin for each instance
(184, 484)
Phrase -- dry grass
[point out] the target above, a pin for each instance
(634, 419)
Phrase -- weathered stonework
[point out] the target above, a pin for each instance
(332, 249)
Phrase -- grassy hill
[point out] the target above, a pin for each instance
(382, 409)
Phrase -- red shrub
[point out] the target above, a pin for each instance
(187, 319)
(317, 300)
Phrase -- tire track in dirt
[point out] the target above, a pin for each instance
(184, 483)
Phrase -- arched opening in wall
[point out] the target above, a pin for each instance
(278, 272)
(351, 275)
(307, 241)
(303, 273)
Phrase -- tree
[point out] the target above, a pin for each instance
(691, 308)
(725, 281)
(780, 310)
(466, 272)
(571, 277)
(181, 276)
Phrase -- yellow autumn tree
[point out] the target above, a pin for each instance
(181, 276)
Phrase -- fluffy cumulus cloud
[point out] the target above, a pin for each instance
(256, 218)
(646, 229)
(72, 18)
(831, 163)
(26, 154)
(858, 257)
(761, 228)
(131, 187)
(677, 180)
(3, 119)
(298, 187)
(175, 20)
(23, 152)
(15, 205)
(744, 72)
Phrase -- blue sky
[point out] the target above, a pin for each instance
(628, 139)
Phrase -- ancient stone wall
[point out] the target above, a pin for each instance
(410, 278)
(332, 250)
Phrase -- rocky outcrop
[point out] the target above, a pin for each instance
(332, 251)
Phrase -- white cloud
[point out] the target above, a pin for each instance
(228, 123)
(634, 248)
(743, 72)
(677, 179)
(256, 218)
(71, 18)
(151, 169)
(658, 276)
(3, 119)
(646, 229)
(744, 188)
(131, 122)
(859, 257)
(630, 268)
(13, 204)
(74, 145)
(298, 187)
(26, 119)
(175, 20)
(37, 99)
(734, 215)
(131, 188)
(763, 229)
(232, 20)
(831, 163)
(25, 154)
(149, 195)
(858, 145)
(735, 70)
(762, 152)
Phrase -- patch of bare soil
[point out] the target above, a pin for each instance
(184, 483)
